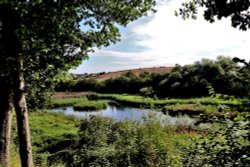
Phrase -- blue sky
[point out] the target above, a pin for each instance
(162, 39)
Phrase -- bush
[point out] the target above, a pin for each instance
(228, 147)
(103, 142)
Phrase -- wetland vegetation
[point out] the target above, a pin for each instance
(79, 104)
(219, 134)
(61, 140)
(139, 129)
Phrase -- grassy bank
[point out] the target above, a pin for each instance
(139, 101)
(189, 109)
(90, 105)
(57, 138)
(60, 140)
(79, 104)
(64, 102)
(46, 129)
(191, 106)
(101, 141)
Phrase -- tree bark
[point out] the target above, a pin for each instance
(22, 115)
(5, 121)
(5, 93)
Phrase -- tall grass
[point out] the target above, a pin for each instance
(189, 109)
(79, 104)
(138, 101)
(46, 127)
(56, 135)
(104, 142)
(90, 105)
(64, 102)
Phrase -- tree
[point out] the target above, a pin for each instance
(39, 39)
(237, 10)
(5, 85)
(228, 150)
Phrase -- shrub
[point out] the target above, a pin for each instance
(228, 147)
(103, 142)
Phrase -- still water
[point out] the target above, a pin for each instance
(127, 113)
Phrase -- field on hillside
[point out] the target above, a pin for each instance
(139, 71)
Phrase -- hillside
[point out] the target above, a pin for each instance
(105, 76)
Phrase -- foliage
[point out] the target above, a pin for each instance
(44, 38)
(79, 85)
(38, 96)
(103, 142)
(236, 10)
(55, 136)
(46, 128)
(129, 82)
(194, 80)
(75, 29)
(203, 78)
(189, 109)
(229, 146)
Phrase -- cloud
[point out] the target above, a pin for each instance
(184, 41)
(163, 39)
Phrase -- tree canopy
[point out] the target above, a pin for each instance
(56, 35)
(40, 39)
(237, 10)
(223, 74)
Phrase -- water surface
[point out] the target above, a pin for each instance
(126, 113)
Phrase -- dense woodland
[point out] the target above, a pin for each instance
(224, 75)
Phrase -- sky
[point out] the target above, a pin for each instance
(162, 39)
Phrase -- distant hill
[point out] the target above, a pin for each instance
(105, 76)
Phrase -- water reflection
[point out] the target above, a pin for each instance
(127, 113)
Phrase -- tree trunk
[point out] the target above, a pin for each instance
(22, 115)
(5, 121)
(5, 94)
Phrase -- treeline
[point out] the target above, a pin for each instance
(223, 76)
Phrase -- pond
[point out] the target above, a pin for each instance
(127, 113)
